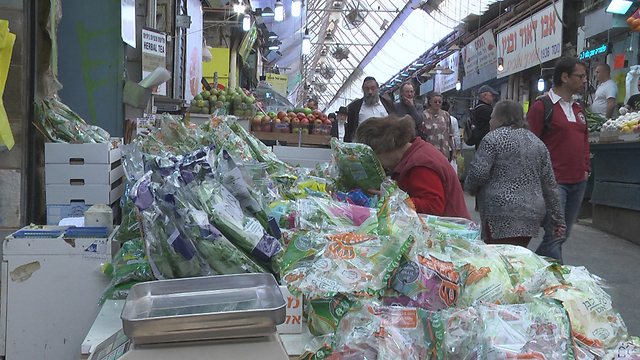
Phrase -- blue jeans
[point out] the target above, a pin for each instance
(570, 199)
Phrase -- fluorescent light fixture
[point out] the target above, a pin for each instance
(619, 6)
(274, 47)
(418, 65)
(278, 11)
(458, 85)
(404, 73)
(267, 12)
(441, 52)
(541, 84)
(306, 43)
(296, 8)
(272, 35)
(246, 22)
(239, 8)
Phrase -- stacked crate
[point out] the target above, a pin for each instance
(80, 175)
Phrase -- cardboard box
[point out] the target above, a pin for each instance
(62, 153)
(89, 194)
(86, 174)
(55, 213)
(293, 321)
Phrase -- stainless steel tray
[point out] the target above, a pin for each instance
(203, 308)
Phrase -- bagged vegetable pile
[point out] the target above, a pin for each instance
(60, 124)
(359, 166)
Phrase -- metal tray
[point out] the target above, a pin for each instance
(203, 308)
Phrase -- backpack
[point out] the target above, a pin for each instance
(548, 115)
(470, 135)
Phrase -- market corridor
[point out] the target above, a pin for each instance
(613, 259)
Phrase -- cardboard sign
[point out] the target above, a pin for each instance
(293, 321)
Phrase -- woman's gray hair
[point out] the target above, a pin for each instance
(510, 113)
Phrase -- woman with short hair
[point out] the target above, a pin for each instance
(420, 169)
(512, 176)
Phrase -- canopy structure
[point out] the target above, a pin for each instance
(352, 39)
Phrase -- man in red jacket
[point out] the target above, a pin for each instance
(420, 169)
(566, 137)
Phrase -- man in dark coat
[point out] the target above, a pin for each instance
(338, 126)
(371, 105)
(483, 110)
(408, 106)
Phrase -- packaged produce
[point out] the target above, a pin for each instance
(326, 312)
(459, 227)
(129, 266)
(539, 329)
(523, 261)
(129, 228)
(58, 123)
(359, 166)
(593, 317)
(331, 215)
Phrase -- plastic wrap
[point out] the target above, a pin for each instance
(459, 227)
(359, 166)
(539, 329)
(331, 215)
(60, 124)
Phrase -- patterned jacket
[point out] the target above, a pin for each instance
(513, 178)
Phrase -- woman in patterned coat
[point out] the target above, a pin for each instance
(513, 178)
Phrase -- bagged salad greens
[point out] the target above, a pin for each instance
(539, 329)
(58, 123)
(359, 166)
(129, 267)
(225, 138)
(326, 312)
(330, 215)
(459, 227)
(593, 317)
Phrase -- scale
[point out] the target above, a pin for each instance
(214, 317)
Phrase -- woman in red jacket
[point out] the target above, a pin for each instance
(420, 169)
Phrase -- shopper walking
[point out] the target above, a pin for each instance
(606, 98)
(408, 106)
(566, 137)
(437, 126)
(455, 133)
(481, 113)
(371, 105)
(512, 176)
(338, 125)
(420, 169)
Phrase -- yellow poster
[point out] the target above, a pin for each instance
(526, 107)
(278, 82)
(7, 40)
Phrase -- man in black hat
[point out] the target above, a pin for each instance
(338, 125)
(482, 111)
(371, 105)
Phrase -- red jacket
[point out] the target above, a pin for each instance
(427, 176)
(568, 142)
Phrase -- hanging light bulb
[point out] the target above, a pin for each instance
(239, 8)
(296, 8)
(500, 64)
(279, 11)
(458, 85)
(541, 85)
(246, 22)
(306, 43)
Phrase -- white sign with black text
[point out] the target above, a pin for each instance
(479, 53)
(154, 55)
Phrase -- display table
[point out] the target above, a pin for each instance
(108, 322)
(616, 189)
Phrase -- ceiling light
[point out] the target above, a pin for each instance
(239, 8)
(446, 71)
(418, 64)
(441, 52)
(306, 43)
(278, 11)
(619, 6)
(274, 47)
(272, 35)
(500, 64)
(246, 22)
(458, 85)
(541, 85)
(454, 47)
(404, 73)
(267, 12)
(433, 71)
(328, 38)
(438, 68)
(296, 8)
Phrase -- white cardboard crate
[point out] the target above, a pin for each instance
(55, 213)
(62, 153)
(89, 194)
(87, 174)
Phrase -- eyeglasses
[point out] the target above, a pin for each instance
(581, 76)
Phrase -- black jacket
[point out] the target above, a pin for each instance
(416, 111)
(353, 117)
(481, 118)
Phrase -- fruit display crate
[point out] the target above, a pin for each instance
(294, 138)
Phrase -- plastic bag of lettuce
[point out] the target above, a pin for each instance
(359, 166)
